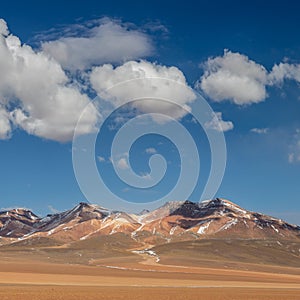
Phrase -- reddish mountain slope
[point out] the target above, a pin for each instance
(174, 221)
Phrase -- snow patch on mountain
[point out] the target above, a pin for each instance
(203, 228)
(229, 224)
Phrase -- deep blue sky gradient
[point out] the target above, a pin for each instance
(36, 173)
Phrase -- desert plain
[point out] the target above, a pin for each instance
(183, 271)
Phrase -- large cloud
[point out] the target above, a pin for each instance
(108, 41)
(235, 77)
(36, 93)
(165, 83)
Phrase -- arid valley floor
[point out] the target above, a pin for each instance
(72, 273)
(184, 250)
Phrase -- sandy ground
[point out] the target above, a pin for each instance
(21, 279)
(95, 293)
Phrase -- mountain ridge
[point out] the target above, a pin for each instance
(174, 221)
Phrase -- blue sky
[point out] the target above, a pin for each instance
(242, 58)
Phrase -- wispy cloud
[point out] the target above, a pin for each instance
(101, 159)
(151, 150)
(97, 42)
(53, 210)
(146, 176)
(294, 148)
(260, 130)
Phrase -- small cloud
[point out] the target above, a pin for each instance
(14, 207)
(260, 130)
(284, 71)
(119, 120)
(193, 120)
(53, 210)
(291, 157)
(151, 150)
(146, 176)
(217, 123)
(122, 164)
(101, 159)
(294, 153)
(157, 26)
(120, 160)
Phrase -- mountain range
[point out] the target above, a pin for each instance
(173, 222)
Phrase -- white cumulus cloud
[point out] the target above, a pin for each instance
(217, 123)
(167, 83)
(234, 77)
(110, 41)
(37, 94)
(3, 27)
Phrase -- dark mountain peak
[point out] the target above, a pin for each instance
(81, 212)
(188, 202)
(84, 208)
(222, 206)
(188, 209)
(19, 213)
(206, 208)
(17, 222)
(162, 211)
(143, 212)
(83, 204)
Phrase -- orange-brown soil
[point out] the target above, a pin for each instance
(22, 278)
